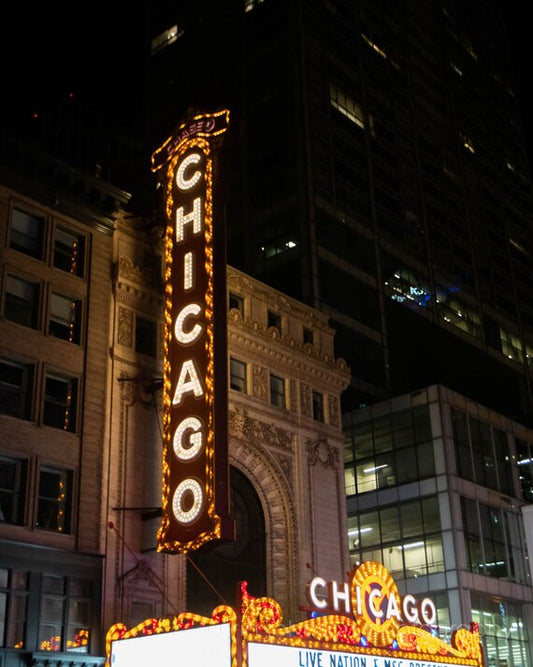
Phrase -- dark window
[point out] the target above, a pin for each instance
(54, 501)
(65, 315)
(318, 406)
(65, 614)
(238, 375)
(277, 391)
(308, 337)
(22, 301)
(60, 402)
(69, 251)
(273, 320)
(27, 233)
(145, 336)
(13, 602)
(12, 490)
(16, 382)
(237, 302)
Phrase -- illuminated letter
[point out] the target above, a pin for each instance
(428, 611)
(188, 268)
(409, 609)
(189, 380)
(392, 608)
(336, 596)
(183, 183)
(195, 216)
(192, 488)
(375, 592)
(310, 591)
(196, 439)
(186, 337)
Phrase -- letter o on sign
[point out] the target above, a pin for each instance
(188, 501)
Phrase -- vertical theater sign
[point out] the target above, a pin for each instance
(363, 622)
(195, 491)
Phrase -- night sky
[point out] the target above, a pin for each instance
(95, 52)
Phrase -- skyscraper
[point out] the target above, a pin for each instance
(377, 171)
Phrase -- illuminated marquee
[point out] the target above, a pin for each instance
(195, 465)
(376, 634)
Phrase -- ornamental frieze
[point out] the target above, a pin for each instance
(246, 428)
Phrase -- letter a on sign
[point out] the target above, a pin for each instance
(195, 475)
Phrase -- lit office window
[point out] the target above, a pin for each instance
(64, 320)
(16, 384)
(395, 449)
(277, 391)
(60, 402)
(346, 105)
(238, 375)
(505, 636)
(12, 490)
(69, 251)
(249, 5)
(405, 537)
(166, 38)
(27, 232)
(21, 303)
(54, 499)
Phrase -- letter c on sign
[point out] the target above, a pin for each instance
(311, 592)
(183, 183)
(186, 337)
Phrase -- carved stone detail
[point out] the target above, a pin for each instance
(125, 327)
(245, 428)
(260, 382)
(320, 452)
(305, 399)
(333, 408)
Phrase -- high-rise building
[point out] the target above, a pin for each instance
(378, 172)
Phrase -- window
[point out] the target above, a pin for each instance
(69, 251)
(27, 232)
(54, 499)
(273, 320)
(145, 337)
(493, 542)
(65, 614)
(64, 320)
(16, 383)
(236, 302)
(277, 391)
(346, 105)
(238, 375)
(13, 602)
(308, 337)
(392, 450)
(318, 406)
(60, 402)
(12, 490)
(405, 537)
(166, 38)
(21, 301)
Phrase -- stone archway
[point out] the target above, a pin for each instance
(215, 571)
